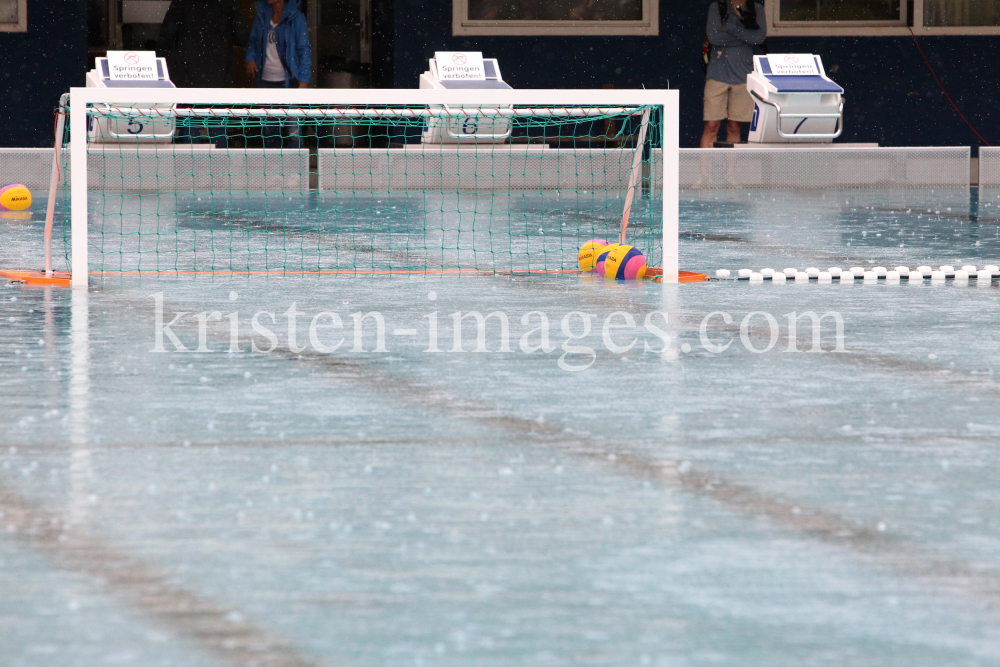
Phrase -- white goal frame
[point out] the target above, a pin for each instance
(82, 98)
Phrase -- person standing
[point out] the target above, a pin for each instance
(733, 30)
(279, 56)
(197, 37)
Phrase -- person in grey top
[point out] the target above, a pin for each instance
(733, 30)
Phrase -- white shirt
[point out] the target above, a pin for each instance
(273, 69)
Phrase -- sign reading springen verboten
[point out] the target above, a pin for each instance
(132, 65)
(460, 66)
(792, 64)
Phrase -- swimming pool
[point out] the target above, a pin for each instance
(691, 503)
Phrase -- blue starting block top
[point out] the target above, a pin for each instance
(803, 84)
(493, 81)
(799, 83)
(476, 85)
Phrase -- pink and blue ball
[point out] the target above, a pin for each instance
(634, 267)
(625, 263)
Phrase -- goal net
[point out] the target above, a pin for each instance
(223, 181)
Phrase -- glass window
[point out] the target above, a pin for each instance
(945, 13)
(555, 10)
(555, 17)
(12, 16)
(8, 11)
(877, 18)
(806, 11)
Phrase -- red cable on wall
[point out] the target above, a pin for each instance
(947, 96)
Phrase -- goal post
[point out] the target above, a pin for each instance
(503, 148)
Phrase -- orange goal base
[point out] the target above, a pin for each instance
(656, 275)
(62, 279)
(39, 278)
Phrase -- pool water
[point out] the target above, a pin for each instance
(667, 478)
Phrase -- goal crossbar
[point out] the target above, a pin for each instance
(338, 113)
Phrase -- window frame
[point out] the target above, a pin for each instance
(648, 26)
(780, 24)
(777, 28)
(22, 19)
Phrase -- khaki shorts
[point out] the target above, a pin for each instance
(727, 100)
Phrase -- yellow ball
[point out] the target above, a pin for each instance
(589, 252)
(15, 197)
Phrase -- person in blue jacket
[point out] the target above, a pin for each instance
(279, 55)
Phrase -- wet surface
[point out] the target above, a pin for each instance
(670, 489)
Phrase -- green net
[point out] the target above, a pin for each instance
(366, 188)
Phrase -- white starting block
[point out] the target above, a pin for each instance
(130, 69)
(794, 100)
(457, 70)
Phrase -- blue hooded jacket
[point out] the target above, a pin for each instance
(293, 41)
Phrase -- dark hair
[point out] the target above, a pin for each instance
(724, 10)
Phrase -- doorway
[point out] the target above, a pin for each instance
(346, 39)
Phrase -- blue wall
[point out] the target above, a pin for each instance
(891, 97)
(38, 66)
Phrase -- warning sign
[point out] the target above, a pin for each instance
(793, 64)
(460, 65)
(132, 65)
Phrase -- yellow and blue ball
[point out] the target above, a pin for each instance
(15, 197)
(589, 252)
(624, 262)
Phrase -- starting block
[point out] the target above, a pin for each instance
(130, 69)
(450, 70)
(794, 100)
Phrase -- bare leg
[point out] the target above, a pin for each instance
(711, 133)
(733, 131)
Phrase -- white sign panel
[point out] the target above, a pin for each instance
(132, 65)
(460, 66)
(793, 64)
